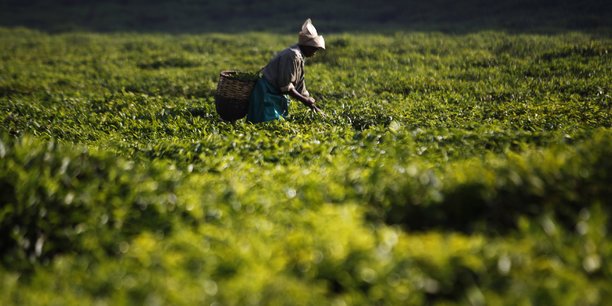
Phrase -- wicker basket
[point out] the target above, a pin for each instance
(232, 96)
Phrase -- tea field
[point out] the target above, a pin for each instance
(450, 169)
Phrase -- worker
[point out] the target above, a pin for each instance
(283, 77)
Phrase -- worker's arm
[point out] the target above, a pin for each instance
(308, 101)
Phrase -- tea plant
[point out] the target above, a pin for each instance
(450, 169)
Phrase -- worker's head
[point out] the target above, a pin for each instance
(309, 40)
(309, 51)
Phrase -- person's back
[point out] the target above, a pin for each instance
(287, 69)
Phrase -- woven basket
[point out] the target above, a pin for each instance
(232, 96)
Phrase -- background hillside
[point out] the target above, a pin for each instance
(280, 16)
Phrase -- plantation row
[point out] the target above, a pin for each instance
(127, 233)
(450, 169)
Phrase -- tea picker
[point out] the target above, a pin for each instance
(284, 75)
(266, 97)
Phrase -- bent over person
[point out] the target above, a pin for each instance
(283, 76)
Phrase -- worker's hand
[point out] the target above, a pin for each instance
(310, 101)
(316, 109)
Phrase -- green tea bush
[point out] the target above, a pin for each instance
(491, 195)
(338, 260)
(450, 169)
(57, 199)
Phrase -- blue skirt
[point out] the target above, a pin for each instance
(267, 103)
